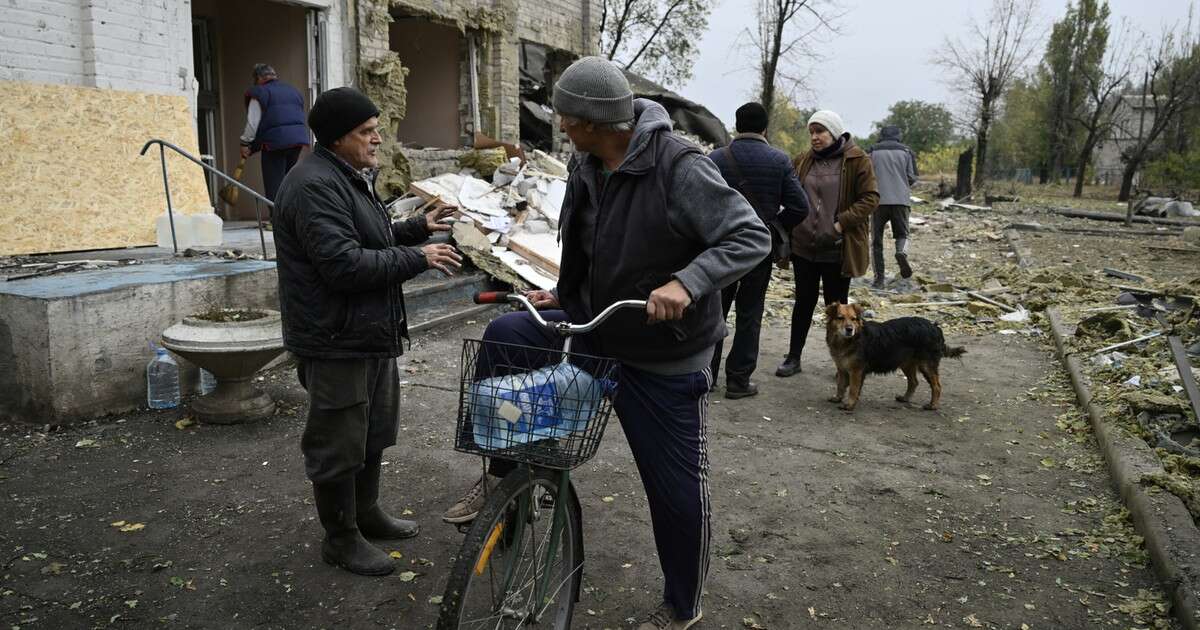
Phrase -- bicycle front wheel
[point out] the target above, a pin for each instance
(522, 560)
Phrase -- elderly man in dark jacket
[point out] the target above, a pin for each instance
(895, 172)
(341, 262)
(765, 177)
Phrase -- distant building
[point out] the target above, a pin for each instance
(1134, 117)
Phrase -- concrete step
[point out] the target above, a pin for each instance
(433, 300)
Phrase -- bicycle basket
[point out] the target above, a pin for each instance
(527, 405)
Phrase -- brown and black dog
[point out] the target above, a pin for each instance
(910, 344)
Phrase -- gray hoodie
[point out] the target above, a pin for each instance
(895, 168)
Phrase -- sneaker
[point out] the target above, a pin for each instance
(663, 618)
(467, 508)
(790, 366)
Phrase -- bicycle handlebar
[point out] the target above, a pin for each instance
(562, 328)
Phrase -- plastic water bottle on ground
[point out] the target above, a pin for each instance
(208, 382)
(162, 381)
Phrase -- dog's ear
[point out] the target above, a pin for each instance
(858, 309)
(831, 309)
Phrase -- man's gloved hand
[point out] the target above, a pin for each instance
(442, 257)
(433, 217)
(542, 299)
(667, 303)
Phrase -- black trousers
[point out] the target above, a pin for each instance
(276, 164)
(749, 294)
(353, 411)
(810, 278)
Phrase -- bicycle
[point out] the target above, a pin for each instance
(521, 562)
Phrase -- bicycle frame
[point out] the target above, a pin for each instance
(544, 588)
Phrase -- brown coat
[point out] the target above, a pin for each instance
(859, 198)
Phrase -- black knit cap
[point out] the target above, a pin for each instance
(337, 112)
(751, 118)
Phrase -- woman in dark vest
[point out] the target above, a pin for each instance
(274, 125)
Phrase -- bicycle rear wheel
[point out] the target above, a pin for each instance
(522, 560)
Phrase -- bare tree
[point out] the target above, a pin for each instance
(1102, 87)
(784, 37)
(657, 38)
(986, 63)
(1170, 85)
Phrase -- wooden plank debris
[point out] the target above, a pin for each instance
(543, 250)
(1120, 218)
(1184, 365)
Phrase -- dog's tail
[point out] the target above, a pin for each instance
(952, 353)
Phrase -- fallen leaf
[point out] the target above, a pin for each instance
(133, 527)
(396, 555)
(86, 443)
(436, 600)
(184, 423)
(132, 603)
(54, 567)
(971, 621)
(1048, 462)
(607, 499)
(408, 576)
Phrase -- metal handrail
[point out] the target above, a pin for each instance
(162, 156)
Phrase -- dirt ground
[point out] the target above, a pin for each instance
(995, 512)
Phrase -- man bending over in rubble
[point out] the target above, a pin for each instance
(341, 262)
(646, 216)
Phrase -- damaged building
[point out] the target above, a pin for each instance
(440, 70)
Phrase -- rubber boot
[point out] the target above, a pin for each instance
(902, 258)
(877, 263)
(344, 545)
(373, 522)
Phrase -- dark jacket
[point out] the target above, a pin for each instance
(859, 198)
(282, 123)
(341, 261)
(765, 177)
(895, 168)
(664, 214)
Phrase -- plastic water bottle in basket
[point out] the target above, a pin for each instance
(548, 403)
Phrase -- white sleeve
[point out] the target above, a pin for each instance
(253, 116)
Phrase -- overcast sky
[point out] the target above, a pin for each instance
(882, 55)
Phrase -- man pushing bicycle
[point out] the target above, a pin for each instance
(646, 216)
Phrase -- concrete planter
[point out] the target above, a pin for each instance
(233, 352)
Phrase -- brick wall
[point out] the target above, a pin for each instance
(142, 45)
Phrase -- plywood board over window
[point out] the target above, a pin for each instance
(70, 174)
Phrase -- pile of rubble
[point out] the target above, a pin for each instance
(508, 211)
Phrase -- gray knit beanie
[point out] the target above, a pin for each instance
(594, 89)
